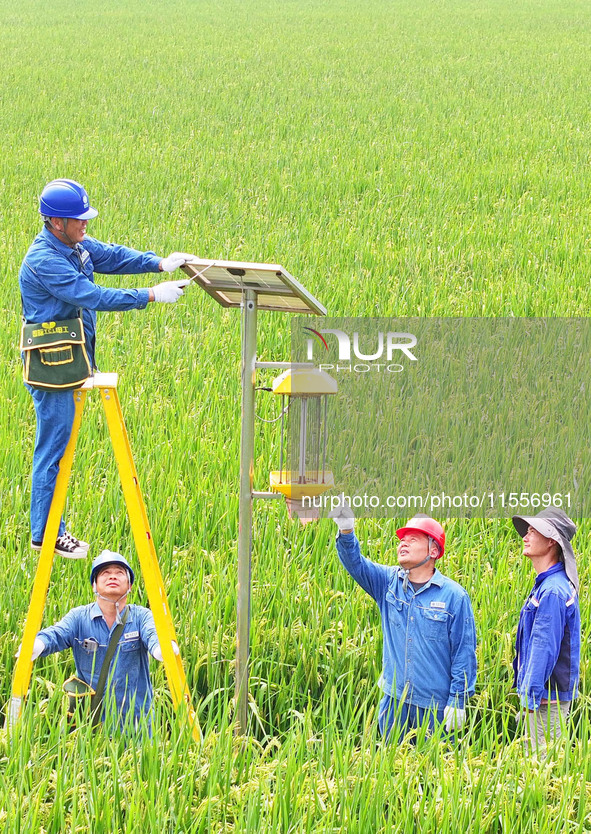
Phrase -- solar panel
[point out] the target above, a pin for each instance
(276, 289)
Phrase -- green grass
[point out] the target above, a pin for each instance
(424, 158)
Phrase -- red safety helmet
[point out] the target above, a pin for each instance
(428, 526)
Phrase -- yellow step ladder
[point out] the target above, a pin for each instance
(181, 698)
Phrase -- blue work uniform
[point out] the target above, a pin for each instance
(56, 281)
(85, 631)
(548, 644)
(429, 637)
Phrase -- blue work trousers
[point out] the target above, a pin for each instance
(55, 416)
(396, 719)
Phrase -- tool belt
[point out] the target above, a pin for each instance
(54, 355)
(79, 695)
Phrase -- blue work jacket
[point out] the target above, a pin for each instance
(548, 644)
(429, 635)
(85, 631)
(57, 280)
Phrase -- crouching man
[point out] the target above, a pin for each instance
(429, 634)
(110, 641)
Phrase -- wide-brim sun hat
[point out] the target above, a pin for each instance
(553, 523)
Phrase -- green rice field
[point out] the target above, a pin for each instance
(424, 158)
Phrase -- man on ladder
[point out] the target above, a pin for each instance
(56, 281)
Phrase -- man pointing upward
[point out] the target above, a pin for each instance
(428, 628)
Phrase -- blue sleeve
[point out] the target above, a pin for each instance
(75, 288)
(544, 648)
(463, 654)
(112, 259)
(515, 663)
(61, 635)
(147, 629)
(373, 578)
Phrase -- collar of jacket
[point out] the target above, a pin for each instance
(95, 610)
(554, 569)
(437, 578)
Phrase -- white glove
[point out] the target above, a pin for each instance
(38, 647)
(169, 291)
(454, 718)
(342, 514)
(157, 651)
(173, 261)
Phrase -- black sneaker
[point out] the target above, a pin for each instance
(67, 545)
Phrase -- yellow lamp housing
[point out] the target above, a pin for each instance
(301, 382)
(307, 391)
(288, 484)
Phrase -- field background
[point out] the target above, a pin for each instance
(400, 158)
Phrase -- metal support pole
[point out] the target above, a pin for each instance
(325, 437)
(292, 365)
(303, 440)
(245, 508)
(277, 496)
(317, 439)
(282, 438)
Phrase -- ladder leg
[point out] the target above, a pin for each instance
(24, 664)
(147, 554)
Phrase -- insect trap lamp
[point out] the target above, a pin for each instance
(304, 433)
(253, 288)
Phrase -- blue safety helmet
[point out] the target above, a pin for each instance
(66, 198)
(109, 557)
